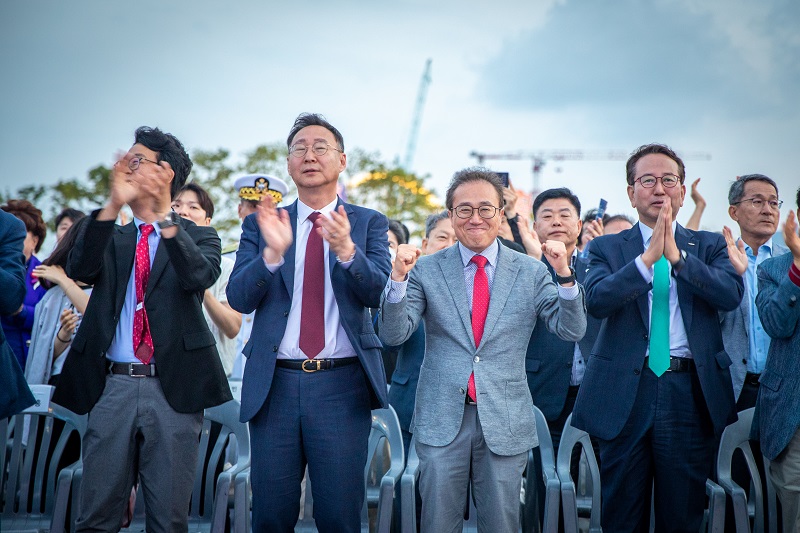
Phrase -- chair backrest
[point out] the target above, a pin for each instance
(40, 435)
(571, 437)
(737, 436)
(379, 485)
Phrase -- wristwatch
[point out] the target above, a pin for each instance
(172, 219)
(561, 280)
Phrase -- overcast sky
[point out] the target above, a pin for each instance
(719, 77)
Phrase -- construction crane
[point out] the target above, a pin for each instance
(421, 94)
(540, 157)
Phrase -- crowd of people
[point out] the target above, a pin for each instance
(651, 335)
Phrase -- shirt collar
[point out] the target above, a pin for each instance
(138, 222)
(490, 253)
(303, 211)
(767, 245)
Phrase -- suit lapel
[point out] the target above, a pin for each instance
(125, 250)
(505, 274)
(159, 265)
(453, 270)
(687, 241)
(287, 270)
(632, 247)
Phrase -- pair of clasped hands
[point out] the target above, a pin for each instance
(276, 230)
(663, 240)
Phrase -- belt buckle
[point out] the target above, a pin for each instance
(131, 374)
(312, 369)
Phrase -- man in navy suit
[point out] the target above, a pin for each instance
(314, 369)
(777, 417)
(657, 408)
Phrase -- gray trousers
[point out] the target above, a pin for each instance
(133, 432)
(785, 472)
(444, 474)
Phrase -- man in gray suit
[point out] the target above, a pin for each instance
(480, 302)
(755, 206)
(777, 417)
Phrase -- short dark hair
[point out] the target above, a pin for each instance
(553, 194)
(654, 148)
(31, 216)
(473, 174)
(60, 253)
(736, 192)
(168, 148)
(432, 220)
(400, 231)
(304, 120)
(203, 198)
(798, 200)
(73, 214)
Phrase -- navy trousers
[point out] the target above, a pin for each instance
(667, 444)
(322, 420)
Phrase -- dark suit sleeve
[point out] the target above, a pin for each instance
(250, 280)
(777, 301)
(85, 262)
(607, 291)
(12, 264)
(195, 254)
(367, 274)
(713, 278)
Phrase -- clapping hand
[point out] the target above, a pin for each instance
(275, 228)
(736, 253)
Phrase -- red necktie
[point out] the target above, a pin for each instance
(142, 341)
(480, 307)
(312, 313)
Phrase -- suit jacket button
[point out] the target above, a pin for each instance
(462, 391)
(636, 371)
(274, 348)
(286, 313)
(744, 361)
(569, 365)
(476, 360)
(260, 283)
(644, 336)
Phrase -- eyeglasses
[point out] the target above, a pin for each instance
(133, 163)
(485, 211)
(648, 181)
(319, 148)
(758, 203)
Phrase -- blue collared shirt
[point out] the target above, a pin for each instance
(759, 340)
(121, 349)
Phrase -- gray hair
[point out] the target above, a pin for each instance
(736, 191)
(432, 220)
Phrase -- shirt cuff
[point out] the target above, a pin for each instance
(395, 291)
(647, 273)
(794, 274)
(568, 293)
(273, 268)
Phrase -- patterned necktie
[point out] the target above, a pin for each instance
(312, 313)
(142, 341)
(480, 307)
(659, 318)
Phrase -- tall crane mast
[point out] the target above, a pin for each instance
(540, 157)
(421, 94)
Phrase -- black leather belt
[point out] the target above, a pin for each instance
(751, 379)
(136, 370)
(676, 364)
(312, 365)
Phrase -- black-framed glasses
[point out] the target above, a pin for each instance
(758, 203)
(319, 148)
(648, 181)
(134, 162)
(485, 211)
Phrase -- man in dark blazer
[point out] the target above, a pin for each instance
(314, 369)
(777, 417)
(657, 429)
(143, 363)
(14, 392)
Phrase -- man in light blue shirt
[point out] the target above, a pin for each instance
(755, 206)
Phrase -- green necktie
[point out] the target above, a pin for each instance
(659, 318)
